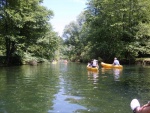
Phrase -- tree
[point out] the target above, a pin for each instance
(22, 23)
(114, 25)
(74, 38)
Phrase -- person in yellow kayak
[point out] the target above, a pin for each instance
(116, 61)
(135, 106)
(94, 63)
(89, 64)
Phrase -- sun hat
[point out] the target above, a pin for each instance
(134, 104)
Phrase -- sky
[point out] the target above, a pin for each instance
(65, 11)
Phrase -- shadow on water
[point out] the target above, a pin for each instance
(70, 88)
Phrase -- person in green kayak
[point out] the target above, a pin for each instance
(136, 108)
(116, 61)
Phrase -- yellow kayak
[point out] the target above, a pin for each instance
(54, 62)
(105, 65)
(92, 68)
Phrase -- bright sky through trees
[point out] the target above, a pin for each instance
(65, 11)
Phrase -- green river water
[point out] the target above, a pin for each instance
(70, 88)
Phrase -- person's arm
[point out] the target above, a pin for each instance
(148, 104)
(145, 108)
(113, 62)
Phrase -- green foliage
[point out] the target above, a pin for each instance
(74, 38)
(111, 28)
(24, 27)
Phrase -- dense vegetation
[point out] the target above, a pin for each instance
(109, 28)
(25, 31)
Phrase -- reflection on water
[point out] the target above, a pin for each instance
(93, 76)
(106, 70)
(27, 89)
(114, 71)
(62, 101)
(71, 88)
(117, 74)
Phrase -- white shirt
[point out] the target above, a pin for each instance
(94, 63)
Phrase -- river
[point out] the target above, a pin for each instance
(70, 88)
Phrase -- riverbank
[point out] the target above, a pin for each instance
(143, 61)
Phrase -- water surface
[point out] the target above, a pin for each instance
(70, 88)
